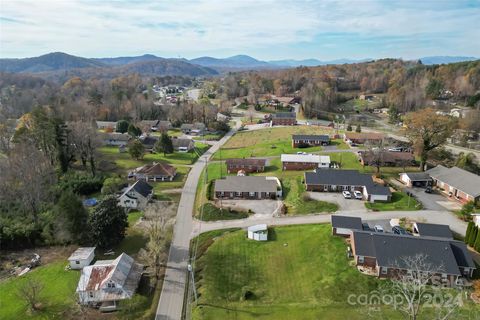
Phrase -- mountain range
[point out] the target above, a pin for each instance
(54, 63)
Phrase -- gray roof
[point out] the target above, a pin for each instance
(345, 178)
(354, 223)
(390, 250)
(245, 184)
(284, 115)
(434, 230)
(321, 137)
(141, 187)
(418, 176)
(116, 136)
(458, 178)
(180, 142)
(82, 253)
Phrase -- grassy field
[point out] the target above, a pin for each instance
(399, 201)
(177, 182)
(310, 278)
(213, 213)
(266, 142)
(125, 162)
(57, 296)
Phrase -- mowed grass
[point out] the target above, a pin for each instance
(302, 272)
(399, 201)
(57, 296)
(266, 142)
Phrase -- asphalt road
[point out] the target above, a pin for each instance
(171, 299)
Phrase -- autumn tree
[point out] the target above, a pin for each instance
(427, 131)
(85, 140)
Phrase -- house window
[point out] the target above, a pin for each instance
(90, 293)
(111, 285)
(384, 270)
(361, 259)
(77, 262)
(238, 193)
(251, 194)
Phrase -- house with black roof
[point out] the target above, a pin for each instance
(136, 196)
(432, 230)
(331, 180)
(344, 226)
(386, 254)
(306, 140)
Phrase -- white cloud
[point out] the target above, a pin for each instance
(100, 28)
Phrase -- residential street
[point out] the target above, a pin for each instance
(431, 216)
(171, 299)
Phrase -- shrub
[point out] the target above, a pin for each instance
(306, 196)
(80, 183)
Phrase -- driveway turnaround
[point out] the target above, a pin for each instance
(171, 299)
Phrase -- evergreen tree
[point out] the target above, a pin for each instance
(122, 126)
(469, 231)
(134, 131)
(473, 236)
(164, 145)
(476, 245)
(108, 223)
(349, 127)
(136, 149)
(71, 216)
(358, 129)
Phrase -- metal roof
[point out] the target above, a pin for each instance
(82, 253)
(313, 158)
(258, 227)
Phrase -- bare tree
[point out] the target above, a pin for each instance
(375, 155)
(419, 286)
(85, 140)
(30, 292)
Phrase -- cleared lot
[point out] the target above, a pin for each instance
(344, 204)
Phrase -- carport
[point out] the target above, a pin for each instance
(416, 179)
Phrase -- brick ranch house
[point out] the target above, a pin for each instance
(333, 180)
(456, 183)
(284, 119)
(385, 254)
(363, 137)
(157, 171)
(247, 165)
(302, 140)
(386, 158)
(304, 161)
(248, 187)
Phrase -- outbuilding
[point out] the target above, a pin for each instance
(82, 257)
(416, 179)
(258, 232)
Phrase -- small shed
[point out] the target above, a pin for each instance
(258, 232)
(82, 257)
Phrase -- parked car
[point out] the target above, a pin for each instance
(400, 230)
(378, 228)
(366, 227)
(428, 190)
(358, 195)
(396, 149)
(347, 194)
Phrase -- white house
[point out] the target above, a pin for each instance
(109, 281)
(258, 232)
(81, 257)
(136, 196)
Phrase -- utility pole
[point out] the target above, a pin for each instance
(190, 269)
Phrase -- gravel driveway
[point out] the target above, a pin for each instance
(344, 204)
(259, 207)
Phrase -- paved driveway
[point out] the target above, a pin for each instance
(344, 204)
(433, 201)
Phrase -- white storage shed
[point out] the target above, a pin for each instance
(258, 232)
(82, 257)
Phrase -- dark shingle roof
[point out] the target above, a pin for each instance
(246, 162)
(391, 249)
(418, 176)
(321, 137)
(347, 222)
(142, 188)
(284, 115)
(434, 230)
(378, 190)
(180, 142)
(245, 184)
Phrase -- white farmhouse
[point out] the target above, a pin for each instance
(136, 196)
(82, 257)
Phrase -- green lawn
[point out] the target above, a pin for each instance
(210, 137)
(308, 278)
(177, 182)
(57, 296)
(266, 142)
(399, 201)
(124, 161)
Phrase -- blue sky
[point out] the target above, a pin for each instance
(264, 29)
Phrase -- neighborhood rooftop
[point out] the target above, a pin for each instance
(390, 250)
(418, 176)
(458, 178)
(338, 177)
(322, 137)
(246, 162)
(345, 222)
(284, 115)
(82, 253)
(315, 158)
(434, 230)
(245, 184)
(141, 187)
